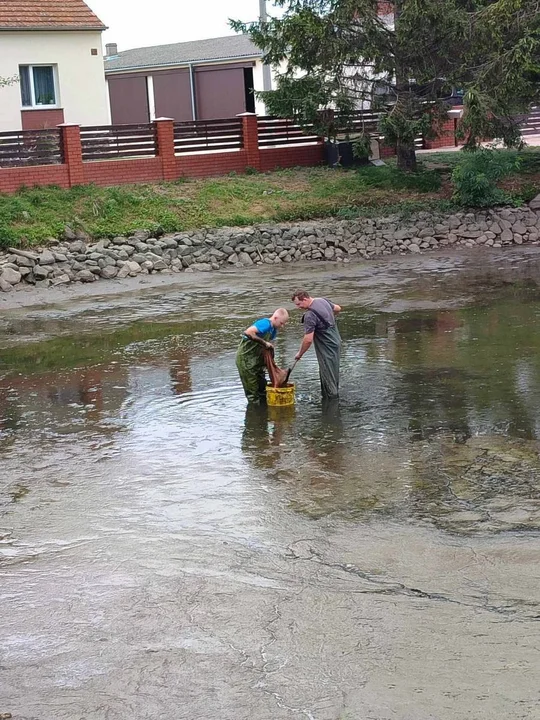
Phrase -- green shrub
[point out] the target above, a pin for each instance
(476, 175)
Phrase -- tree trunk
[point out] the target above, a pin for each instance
(406, 153)
(406, 156)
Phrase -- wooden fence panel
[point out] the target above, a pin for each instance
(208, 135)
(112, 142)
(30, 147)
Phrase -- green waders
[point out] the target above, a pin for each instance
(251, 367)
(328, 346)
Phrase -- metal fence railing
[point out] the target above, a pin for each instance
(279, 131)
(21, 148)
(112, 142)
(208, 135)
(275, 132)
(530, 124)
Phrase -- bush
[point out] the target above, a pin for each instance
(476, 175)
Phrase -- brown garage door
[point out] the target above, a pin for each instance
(129, 99)
(220, 93)
(172, 95)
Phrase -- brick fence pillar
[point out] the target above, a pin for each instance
(165, 147)
(250, 126)
(446, 136)
(71, 145)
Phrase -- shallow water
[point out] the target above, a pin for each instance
(166, 552)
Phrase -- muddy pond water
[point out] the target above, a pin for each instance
(166, 552)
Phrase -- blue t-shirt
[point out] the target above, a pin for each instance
(264, 326)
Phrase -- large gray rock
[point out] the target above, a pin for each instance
(24, 262)
(46, 258)
(535, 203)
(25, 254)
(69, 233)
(11, 276)
(134, 268)
(77, 247)
(40, 273)
(129, 268)
(108, 272)
(61, 280)
(106, 262)
(153, 257)
(201, 267)
(5, 286)
(244, 258)
(329, 253)
(85, 276)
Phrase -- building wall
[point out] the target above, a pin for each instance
(172, 94)
(219, 92)
(80, 76)
(129, 99)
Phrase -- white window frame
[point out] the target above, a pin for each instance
(34, 106)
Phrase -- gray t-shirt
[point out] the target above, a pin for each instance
(312, 321)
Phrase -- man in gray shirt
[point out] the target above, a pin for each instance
(320, 329)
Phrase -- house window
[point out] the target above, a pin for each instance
(38, 87)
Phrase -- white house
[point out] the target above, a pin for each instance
(53, 51)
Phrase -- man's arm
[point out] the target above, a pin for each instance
(307, 342)
(337, 308)
(251, 333)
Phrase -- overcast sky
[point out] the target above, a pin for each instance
(138, 23)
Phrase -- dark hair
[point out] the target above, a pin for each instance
(300, 294)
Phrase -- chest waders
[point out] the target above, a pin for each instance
(251, 366)
(327, 341)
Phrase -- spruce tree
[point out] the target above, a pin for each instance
(402, 57)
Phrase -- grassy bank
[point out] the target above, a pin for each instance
(34, 215)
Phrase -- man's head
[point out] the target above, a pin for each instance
(302, 299)
(279, 318)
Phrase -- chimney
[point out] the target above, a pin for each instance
(111, 49)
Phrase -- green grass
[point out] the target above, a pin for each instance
(35, 215)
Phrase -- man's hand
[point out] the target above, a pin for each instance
(297, 357)
(269, 346)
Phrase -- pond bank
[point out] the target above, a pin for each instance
(79, 260)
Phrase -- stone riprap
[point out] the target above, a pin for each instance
(77, 258)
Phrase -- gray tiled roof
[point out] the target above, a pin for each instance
(230, 48)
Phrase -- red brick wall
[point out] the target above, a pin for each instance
(445, 138)
(211, 164)
(11, 179)
(123, 172)
(286, 157)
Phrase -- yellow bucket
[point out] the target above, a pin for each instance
(280, 397)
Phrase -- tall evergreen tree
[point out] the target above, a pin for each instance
(401, 56)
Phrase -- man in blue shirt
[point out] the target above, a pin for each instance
(250, 356)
